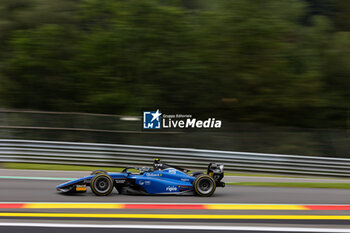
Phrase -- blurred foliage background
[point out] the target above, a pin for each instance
(278, 68)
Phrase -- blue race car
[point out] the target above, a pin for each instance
(161, 179)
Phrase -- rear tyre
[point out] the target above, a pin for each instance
(204, 186)
(102, 184)
(98, 172)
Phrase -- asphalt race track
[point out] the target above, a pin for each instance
(15, 190)
(259, 217)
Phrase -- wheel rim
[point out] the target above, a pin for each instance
(102, 184)
(205, 185)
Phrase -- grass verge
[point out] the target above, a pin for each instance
(37, 166)
(295, 185)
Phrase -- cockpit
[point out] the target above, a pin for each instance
(157, 166)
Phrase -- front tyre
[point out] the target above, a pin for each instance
(102, 185)
(204, 186)
(98, 172)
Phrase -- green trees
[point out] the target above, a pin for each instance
(250, 60)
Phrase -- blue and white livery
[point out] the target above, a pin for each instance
(161, 179)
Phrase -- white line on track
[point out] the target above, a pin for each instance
(177, 227)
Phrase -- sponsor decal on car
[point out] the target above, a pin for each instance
(171, 188)
(147, 182)
(158, 165)
(80, 187)
(172, 171)
(185, 179)
(153, 174)
(120, 181)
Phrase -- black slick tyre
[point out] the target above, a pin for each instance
(204, 186)
(102, 184)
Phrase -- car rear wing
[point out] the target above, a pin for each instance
(216, 171)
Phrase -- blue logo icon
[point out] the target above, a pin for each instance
(151, 120)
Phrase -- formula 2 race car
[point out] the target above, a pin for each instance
(161, 179)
